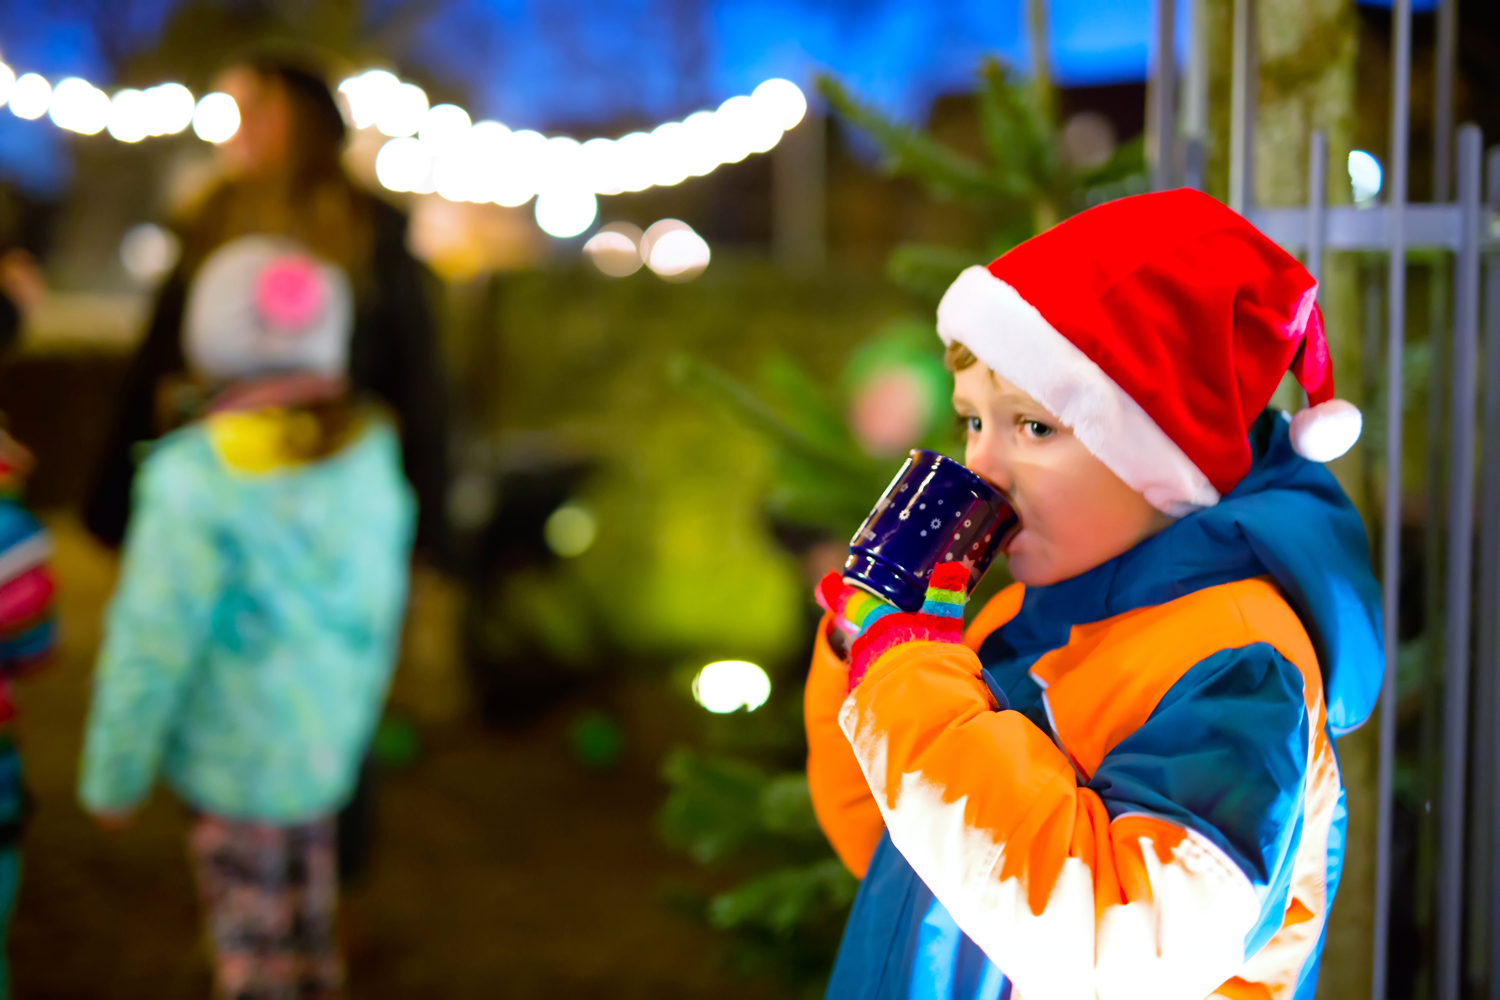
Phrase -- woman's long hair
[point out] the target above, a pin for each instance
(311, 199)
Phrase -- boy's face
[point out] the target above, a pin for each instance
(1075, 513)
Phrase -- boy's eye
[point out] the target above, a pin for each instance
(972, 425)
(1037, 429)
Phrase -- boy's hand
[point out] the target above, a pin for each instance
(873, 626)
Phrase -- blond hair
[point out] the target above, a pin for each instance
(958, 357)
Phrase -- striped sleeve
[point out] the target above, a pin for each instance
(28, 627)
(1152, 878)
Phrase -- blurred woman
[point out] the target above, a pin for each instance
(282, 175)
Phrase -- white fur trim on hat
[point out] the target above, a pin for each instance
(1324, 432)
(1007, 333)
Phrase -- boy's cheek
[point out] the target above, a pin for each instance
(1026, 561)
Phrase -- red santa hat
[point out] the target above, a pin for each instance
(1157, 328)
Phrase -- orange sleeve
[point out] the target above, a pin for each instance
(840, 795)
(1001, 608)
(989, 813)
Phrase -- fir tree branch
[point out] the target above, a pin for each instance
(908, 152)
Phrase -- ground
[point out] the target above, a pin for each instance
(502, 868)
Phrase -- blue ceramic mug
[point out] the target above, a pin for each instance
(935, 510)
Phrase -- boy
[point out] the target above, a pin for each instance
(250, 642)
(1121, 780)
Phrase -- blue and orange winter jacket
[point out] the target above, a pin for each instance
(1121, 785)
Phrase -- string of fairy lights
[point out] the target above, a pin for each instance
(128, 115)
(439, 149)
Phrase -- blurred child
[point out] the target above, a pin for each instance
(27, 634)
(1121, 781)
(250, 642)
(27, 621)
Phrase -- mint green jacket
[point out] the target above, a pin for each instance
(250, 642)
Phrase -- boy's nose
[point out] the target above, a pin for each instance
(992, 468)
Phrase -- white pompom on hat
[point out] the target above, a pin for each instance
(1157, 328)
(1326, 431)
(264, 305)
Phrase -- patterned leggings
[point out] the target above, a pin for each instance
(269, 895)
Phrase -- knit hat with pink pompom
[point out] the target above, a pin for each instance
(264, 305)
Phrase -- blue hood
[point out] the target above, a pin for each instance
(1288, 518)
(1301, 526)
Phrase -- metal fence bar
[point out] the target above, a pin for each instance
(1442, 102)
(1391, 528)
(1371, 326)
(1162, 127)
(1195, 100)
(1317, 201)
(1348, 227)
(1450, 914)
(1242, 96)
(1489, 566)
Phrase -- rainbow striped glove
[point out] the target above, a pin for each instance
(873, 626)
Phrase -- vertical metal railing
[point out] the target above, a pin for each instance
(1489, 568)
(1244, 79)
(1464, 382)
(1195, 100)
(1161, 112)
(1442, 99)
(1465, 828)
(1317, 202)
(1391, 525)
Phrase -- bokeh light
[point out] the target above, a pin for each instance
(402, 110)
(79, 106)
(566, 164)
(673, 251)
(1365, 176)
(519, 169)
(1088, 140)
(680, 255)
(30, 96)
(670, 146)
(571, 530)
(444, 127)
(729, 685)
(565, 212)
(703, 143)
(129, 115)
(747, 127)
(148, 252)
(216, 118)
(170, 108)
(632, 156)
(402, 165)
(510, 169)
(615, 249)
(784, 102)
(366, 94)
(486, 145)
(656, 231)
